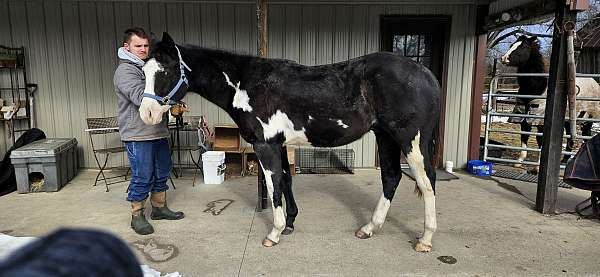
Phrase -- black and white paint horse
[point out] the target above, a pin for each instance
(525, 55)
(279, 102)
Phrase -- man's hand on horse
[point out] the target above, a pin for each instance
(179, 109)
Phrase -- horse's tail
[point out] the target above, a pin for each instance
(433, 148)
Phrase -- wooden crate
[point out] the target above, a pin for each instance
(227, 138)
(250, 155)
(291, 159)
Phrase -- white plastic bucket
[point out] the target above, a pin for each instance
(449, 166)
(213, 164)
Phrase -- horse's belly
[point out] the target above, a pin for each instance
(332, 136)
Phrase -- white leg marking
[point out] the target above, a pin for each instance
(523, 154)
(512, 48)
(280, 123)
(339, 122)
(378, 217)
(415, 160)
(278, 215)
(150, 110)
(240, 99)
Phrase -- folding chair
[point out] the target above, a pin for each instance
(196, 144)
(105, 127)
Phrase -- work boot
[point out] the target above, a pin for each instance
(138, 220)
(160, 209)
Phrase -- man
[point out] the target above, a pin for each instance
(147, 145)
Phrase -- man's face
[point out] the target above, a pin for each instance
(138, 46)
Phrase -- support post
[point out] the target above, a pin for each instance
(554, 117)
(476, 98)
(261, 17)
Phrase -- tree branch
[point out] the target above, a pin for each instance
(515, 32)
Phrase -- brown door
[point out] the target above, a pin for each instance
(423, 39)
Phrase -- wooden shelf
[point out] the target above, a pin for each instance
(12, 67)
(15, 118)
(12, 61)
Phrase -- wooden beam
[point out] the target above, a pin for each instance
(554, 117)
(261, 17)
(522, 14)
(261, 13)
(478, 85)
(476, 97)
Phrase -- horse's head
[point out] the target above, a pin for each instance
(166, 83)
(520, 51)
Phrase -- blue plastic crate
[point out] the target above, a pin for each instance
(479, 168)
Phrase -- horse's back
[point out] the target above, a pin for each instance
(588, 87)
(406, 94)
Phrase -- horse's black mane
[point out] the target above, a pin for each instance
(225, 52)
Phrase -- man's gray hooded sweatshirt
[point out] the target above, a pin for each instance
(129, 84)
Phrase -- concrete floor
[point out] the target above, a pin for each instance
(487, 225)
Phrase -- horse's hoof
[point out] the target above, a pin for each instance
(268, 243)
(420, 247)
(287, 230)
(361, 234)
(518, 165)
(535, 170)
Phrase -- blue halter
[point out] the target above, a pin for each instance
(166, 100)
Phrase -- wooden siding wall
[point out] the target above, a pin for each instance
(72, 53)
(589, 61)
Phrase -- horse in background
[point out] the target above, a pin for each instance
(279, 102)
(524, 54)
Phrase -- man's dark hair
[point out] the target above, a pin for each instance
(138, 31)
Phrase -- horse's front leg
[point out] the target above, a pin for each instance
(270, 160)
(525, 127)
(291, 209)
(540, 141)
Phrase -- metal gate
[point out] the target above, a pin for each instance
(496, 95)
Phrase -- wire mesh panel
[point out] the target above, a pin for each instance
(324, 161)
(523, 176)
(102, 125)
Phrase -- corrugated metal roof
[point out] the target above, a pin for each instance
(499, 6)
(589, 35)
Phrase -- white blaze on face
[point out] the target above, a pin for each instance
(150, 110)
(339, 122)
(512, 48)
(240, 99)
(280, 123)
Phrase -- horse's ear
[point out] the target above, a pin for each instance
(167, 39)
(533, 38)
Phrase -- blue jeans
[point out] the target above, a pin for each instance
(151, 164)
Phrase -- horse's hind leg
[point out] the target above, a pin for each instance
(586, 130)
(419, 157)
(270, 160)
(291, 209)
(389, 155)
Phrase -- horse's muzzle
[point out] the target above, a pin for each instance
(151, 112)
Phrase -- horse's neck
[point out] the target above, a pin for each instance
(535, 64)
(208, 77)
